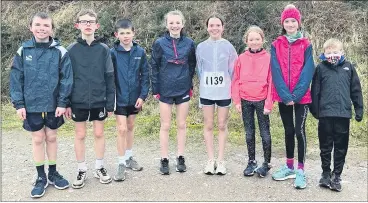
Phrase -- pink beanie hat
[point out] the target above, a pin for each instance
(291, 12)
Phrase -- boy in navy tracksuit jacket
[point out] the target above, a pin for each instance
(335, 87)
(132, 85)
(41, 81)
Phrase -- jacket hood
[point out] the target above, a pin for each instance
(96, 41)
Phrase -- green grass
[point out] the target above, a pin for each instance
(148, 125)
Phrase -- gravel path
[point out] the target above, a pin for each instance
(149, 185)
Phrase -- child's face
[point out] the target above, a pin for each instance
(215, 28)
(174, 24)
(41, 29)
(125, 35)
(254, 41)
(87, 25)
(291, 25)
(333, 50)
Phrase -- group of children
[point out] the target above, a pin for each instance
(89, 82)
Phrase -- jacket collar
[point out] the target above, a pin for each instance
(118, 47)
(84, 42)
(32, 43)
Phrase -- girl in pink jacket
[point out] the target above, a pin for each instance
(292, 70)
(251, 92)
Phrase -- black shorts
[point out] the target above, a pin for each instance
(95, 114)
(220, 103)
(177, 100)
(126, 110)
(36, 121)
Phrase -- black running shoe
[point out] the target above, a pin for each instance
(251, 167)
(164, 169)
(325, 180)
(335, 184)
(180, 164)
(262, 171)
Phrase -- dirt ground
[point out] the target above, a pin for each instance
(149, 185)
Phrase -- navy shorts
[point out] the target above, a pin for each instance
(36, 121)
(220, 103)
(94, 114)
(126, 110)
(175, 100)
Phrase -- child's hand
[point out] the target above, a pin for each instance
(290, 103)
(59, 111)
(22, 113)
(109, 114)
(68, 113)
(156, 96)
(266, 111)
(238, 107)
(139, 103)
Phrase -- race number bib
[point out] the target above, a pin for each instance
(214, 79)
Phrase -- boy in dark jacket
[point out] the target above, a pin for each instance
(93, 94)
(335, 85)
(132, 84)
(41, 80)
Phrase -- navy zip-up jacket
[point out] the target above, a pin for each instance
(131, 74)
(173, 63)
(41, 78)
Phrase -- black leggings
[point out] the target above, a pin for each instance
(248, 108)
(286, 112)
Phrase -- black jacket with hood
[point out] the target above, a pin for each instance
(334, 89)
(93, 73)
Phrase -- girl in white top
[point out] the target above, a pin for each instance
(215, 63)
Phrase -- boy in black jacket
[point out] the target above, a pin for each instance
(93, 94)
(335, 85)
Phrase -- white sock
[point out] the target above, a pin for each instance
(99, 163)
(128, 153)
(122, 160)
(82, 166)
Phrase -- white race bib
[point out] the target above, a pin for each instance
(214, 79)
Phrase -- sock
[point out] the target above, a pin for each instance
(99, 163)
(40, 167)
(129, 153)
(52, 166)
(122, 160)
(290, 163)
(301, 166)
(82, 166)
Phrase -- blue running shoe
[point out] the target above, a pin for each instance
(40, 187)
(300, 180)
(283, 173)
(58, 181)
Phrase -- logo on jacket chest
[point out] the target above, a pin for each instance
(29, 58)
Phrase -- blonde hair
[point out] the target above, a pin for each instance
(253, 28)
(89, 12)
(174, 12)
(333, 43)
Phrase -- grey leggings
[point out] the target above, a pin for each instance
(248, 108)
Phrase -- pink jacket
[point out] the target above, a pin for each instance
(252, 78)
(292, 69)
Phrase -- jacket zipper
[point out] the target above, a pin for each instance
(289, 66)
(175, 52)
